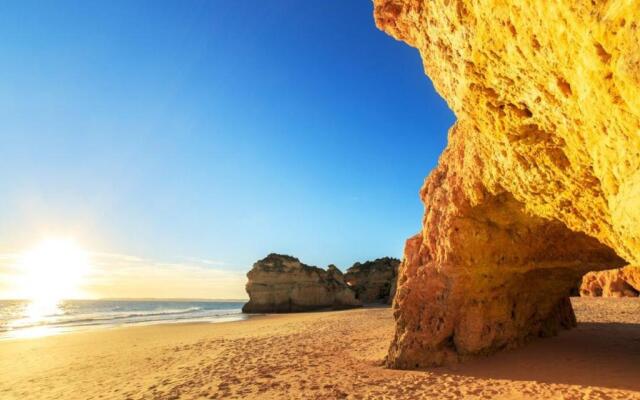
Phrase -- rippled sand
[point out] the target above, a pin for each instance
(320, 356)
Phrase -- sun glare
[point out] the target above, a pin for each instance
(52, 271)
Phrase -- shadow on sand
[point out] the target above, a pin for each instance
(593, 354)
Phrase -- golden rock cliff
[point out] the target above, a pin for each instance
(281, 284)
(620, 282)
(373, 281)
(540, 181)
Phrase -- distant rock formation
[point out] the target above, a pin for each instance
(540, 180)
(281, 283)
(373, 281)
(621, 282)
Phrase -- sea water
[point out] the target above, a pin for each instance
(22, 318)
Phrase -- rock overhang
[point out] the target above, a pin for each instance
(540, 181)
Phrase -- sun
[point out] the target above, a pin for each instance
(52, 271)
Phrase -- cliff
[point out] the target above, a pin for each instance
(621, 282)
(280, 283)
(540, 180)
(373, 281)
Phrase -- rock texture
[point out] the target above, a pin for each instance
(280, 283)
(621, 282)
(373, 281)
(540, 180)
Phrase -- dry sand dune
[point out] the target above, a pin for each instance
(320, 356)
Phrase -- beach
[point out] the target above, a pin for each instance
(323, 355)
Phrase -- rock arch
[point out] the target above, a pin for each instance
(540, 181)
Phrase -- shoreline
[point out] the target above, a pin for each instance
(51, 330)
(334, 354)
(23, 320)
(33, 333)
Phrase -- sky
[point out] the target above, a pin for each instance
(181, 141)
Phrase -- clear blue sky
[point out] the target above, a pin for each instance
(213, 129)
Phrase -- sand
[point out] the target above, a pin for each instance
(329, 355)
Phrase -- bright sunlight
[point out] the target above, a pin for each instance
(50, 272)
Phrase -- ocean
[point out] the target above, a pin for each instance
(21, 318)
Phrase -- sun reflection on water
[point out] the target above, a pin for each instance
(34, 319)
(38, 309)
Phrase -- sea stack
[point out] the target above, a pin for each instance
(281, 284)
(540, 180)
(373, 281)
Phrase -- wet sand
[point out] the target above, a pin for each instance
(320, 356)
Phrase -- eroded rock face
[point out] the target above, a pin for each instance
(620, 282)
(280, 283)
(540, 181)
(373, 281)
